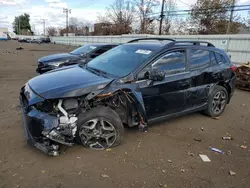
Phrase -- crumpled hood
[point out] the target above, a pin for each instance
(72, 81)
(58, 57)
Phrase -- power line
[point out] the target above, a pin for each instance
(187, 11)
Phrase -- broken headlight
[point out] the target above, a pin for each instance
(56, 64)
(46, 106)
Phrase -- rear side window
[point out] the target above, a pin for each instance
(220, 59)
(199, 59)
(173, 62)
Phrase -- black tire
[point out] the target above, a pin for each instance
(209, 111)
(101, 113)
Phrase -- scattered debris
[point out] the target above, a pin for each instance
(227, 138)
(109, 149)
(216, 118)
(202, 128)
(198, 139)
(232, 173)
(105, 176)
(169, 161)
(217, 150)
(204, 158)
(143, 128)
(243, 147)
(20, 48)
(164, 171)
(229, 152)
(190, 154)
(161, 185)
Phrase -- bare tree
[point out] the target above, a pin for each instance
(211, 16)
(145, 9)
(52, 31)
(170, 6)
(121, 14)
(182, 26)
(76, 27)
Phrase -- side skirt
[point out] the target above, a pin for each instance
(184, 112)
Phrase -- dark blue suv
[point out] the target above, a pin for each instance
(135, 84)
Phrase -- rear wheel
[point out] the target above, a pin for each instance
(99, 128)
(217, 101)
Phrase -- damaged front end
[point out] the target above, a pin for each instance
(46, 123)
(51, 122)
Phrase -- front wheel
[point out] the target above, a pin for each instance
(99, 128)
(217, 101)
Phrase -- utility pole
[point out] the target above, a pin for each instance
(231, 16)
(19, 26)
(67, 11)
(161, 16)
(43, 27)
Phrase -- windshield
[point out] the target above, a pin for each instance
(120, 61)
(84, 50)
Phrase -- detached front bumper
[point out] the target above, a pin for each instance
(35, 123)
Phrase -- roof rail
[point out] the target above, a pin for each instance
(159, 39)
(192, 42)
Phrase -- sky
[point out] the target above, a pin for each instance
(52, 11)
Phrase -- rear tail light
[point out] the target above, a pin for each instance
(233, 68)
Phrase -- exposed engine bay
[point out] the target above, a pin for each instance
(60, 117)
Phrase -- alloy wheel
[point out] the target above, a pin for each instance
(98, 134)
(219, 102)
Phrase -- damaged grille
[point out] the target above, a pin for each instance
(46, 106)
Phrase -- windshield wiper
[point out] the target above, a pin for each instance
(99, 72)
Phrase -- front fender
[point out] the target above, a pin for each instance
(130, 89)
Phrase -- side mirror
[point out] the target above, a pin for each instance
(155, 75)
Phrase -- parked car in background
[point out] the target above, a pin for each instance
(134, 84)
(45, 40)
(80, 55)
(25, 40)
(37, 40)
